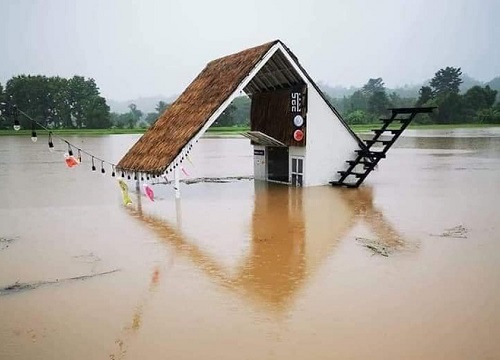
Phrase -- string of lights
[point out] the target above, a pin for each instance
(12, 110)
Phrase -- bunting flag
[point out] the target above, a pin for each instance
(189, 159)
(71, 161)
(124, 189)
(149, 192)
(184, 171)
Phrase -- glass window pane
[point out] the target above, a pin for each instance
(300, 161)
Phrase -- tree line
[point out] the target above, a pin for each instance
(56, 102)
(76, 102)
(477, 105)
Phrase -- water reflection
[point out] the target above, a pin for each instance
(293, 231)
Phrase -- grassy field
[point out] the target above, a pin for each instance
(225, 130)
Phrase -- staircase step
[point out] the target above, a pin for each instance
(401, 120)
(347, 173)
(383, 142)
(360, 162)
(349, 185)
(393, 131)
(368, 153)
(412, 110)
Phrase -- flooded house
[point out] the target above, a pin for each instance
(298, 137)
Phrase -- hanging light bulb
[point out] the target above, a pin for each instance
(102, 168)
(113, 171)
(135, 176)
(123, 175)
(34, 138)
(51, 144)
(70, 150)
(79, 156)
(128, 176)
(93, 165)
(17, 126)
(142, 177)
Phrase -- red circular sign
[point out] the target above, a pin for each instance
(298, 135)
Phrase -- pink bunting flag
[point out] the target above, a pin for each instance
(184, 171)
(71, 161)
(149, 192)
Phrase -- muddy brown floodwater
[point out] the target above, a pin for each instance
(406, 267)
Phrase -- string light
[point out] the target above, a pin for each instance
(34, 138)
(14, 111)
(51, 144)
(70, 150)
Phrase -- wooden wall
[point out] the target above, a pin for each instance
(271, 113)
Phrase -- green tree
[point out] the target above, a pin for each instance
(377, 100)
(97, 113)
(136, 115)
(425, 94)
(488, 116)
(151, 118)
(446, 81)
(450, 109)
(241, 114)
(358, 101)
(226, 118)
(357, 117)
(58, 102)
(373, 86)
(477, 97)
(161, 107)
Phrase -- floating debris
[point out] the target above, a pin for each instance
(17, 286)
(89, 258)
(376, 247)
(5, 242)
(209, 180)
(457, 232)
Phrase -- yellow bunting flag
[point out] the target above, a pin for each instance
(124, 188)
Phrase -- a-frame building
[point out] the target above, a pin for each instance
(298, 137)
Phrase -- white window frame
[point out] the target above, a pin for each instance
(297, 173)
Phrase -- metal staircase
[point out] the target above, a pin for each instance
(367, 159)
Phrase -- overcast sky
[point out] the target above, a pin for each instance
(144, 48)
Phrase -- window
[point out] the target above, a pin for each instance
(297, 171)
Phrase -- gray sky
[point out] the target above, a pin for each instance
(138, 48)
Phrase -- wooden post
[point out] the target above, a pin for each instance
(177, 183)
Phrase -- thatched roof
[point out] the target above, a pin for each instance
(175, 128)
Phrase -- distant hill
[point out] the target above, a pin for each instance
(145, 104)
(495, 83)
